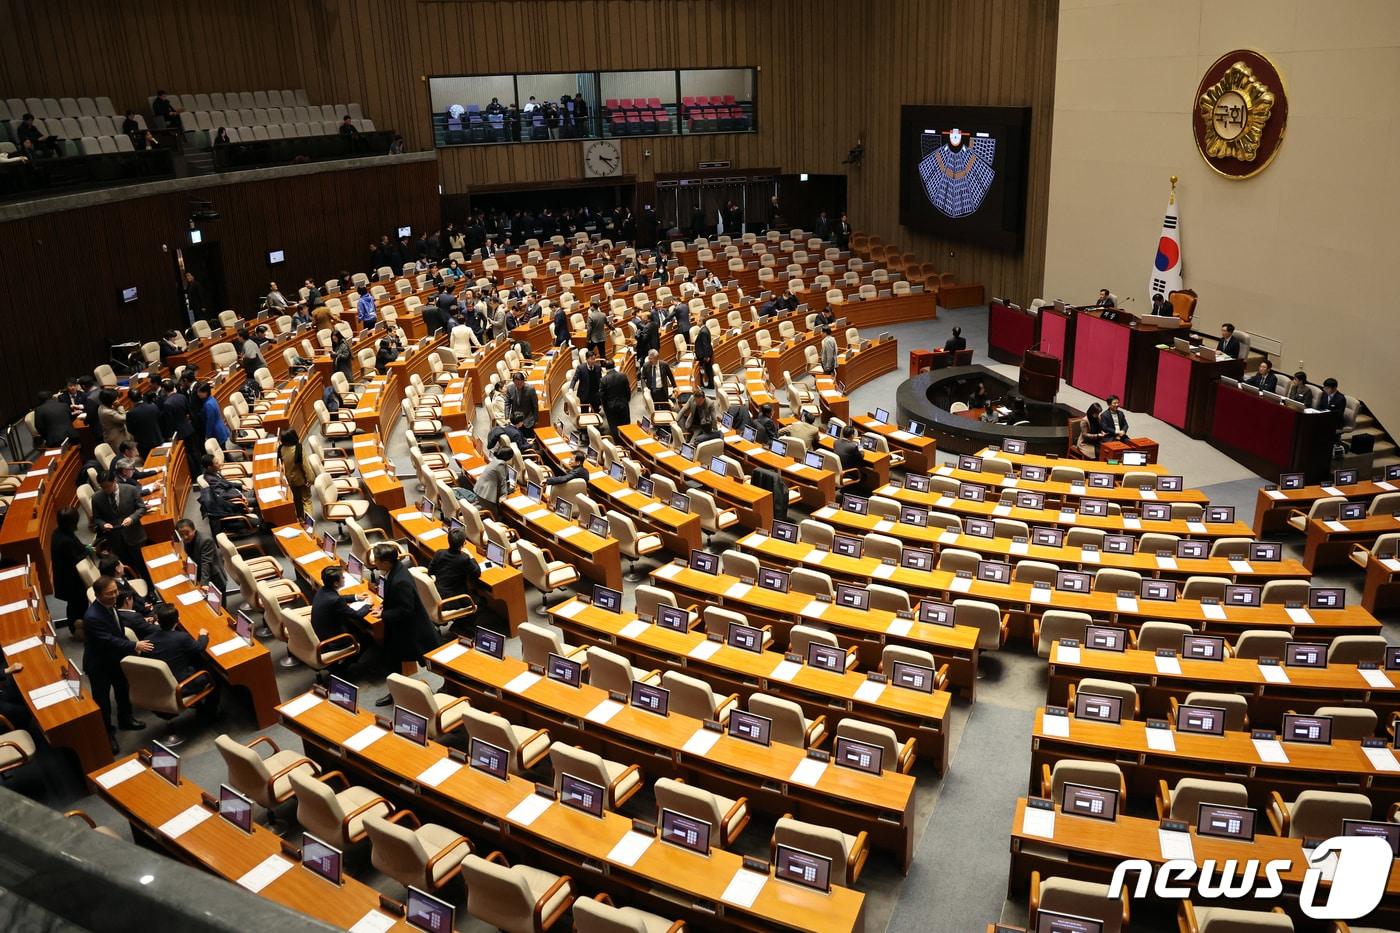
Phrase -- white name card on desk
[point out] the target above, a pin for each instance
(27, 494)
(224, 647)
(948, 536)
(171, 582)
(1270, 751)
(1167, 665)
(1381, 484)
(1213, 611)
(1333, 491)
(1132, 524)
(1240, 566)
(1148, 494)
(944, 470)
(960, 584)
(301, 704)
(1175, 845)
(520, 503)
(1275, 493)
(883, 571)
(1001, 510)
(1391, 564)
(1196, 528)
(634, 629)
(522, 682)
(1335, 526)
(1056, 727)
(1161, 740)
(1010, 482)
(364, 738)
(438, 772)
(815, 608)
(568, 531)
(374, 922)
(190, 598)
(311, 557)
(652, 507)
(1376, 678)
(1166, 563)
(1067, 654)
(449, 652)
(291, 531)
(1041, 594)
(1126, 603)
(32, 641)
(899, 627)
(738, 590)
(1020, 547)
(808, 772)
(743, 889)
(884, 525)
(901, 435)
(785, 670)
(266, 872)
(1273, 673)
(1299, 615)
(1038, 822)
(162, 560)
(666, 571)
(270, 495)
(432, 534)
(273, 474)
(630, 849)
(824, 512)
(18, 572)
(372, 474)
(603, 712)
(943, 501)
(1382, 759)
(704, 650)
(186, 820)
(701, 742)
(870, 691)
(123, 772)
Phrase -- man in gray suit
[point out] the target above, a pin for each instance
(116, 512)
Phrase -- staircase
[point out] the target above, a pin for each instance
(1386, 451)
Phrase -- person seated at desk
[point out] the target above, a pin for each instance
(454, 571)
(765, 425)
(979, 398)
(824, 318)
(804, 429)
(333, 614)
(1105, 299)
(1229, 343)
(956, 342)
(511, 432)
(182, 654)
(1298, 389)
(1161, 306)
(706, 428)
(1113, 422)
(167, 347)
(1090, 433)
(578, 470)
(1264, 379)
(847, 447)
(209, 565)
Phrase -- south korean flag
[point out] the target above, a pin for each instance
(1166, 265)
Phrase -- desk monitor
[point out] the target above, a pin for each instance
(1392, 471)
(882, 416)
(214, 597)
(778, 446)
(912, 676)
(1292, 481)
(913, 515)
(847, 545)
(243, 626)
(495, 554)
(1119, 544)
(598, 525)
(565, 670)
(813, 460)
(1027, 499)
(745, 637)
(354, 567)
(1326, 597)
(1134, 458)
(1098, 707)
(650, 698)
(858, 756)
(165, 763)
(1390, 832)
(1345, 477)
(1072, 581)
(1034, 474)
(607, 598)
(994, 571)
(936, 613)
(916, 482)
(704, 561)
(533, 491)
(749, 434)
(1047, 537)
(673, 618)
(488, 758)
(490, 643)
(867, 442)
(308, 524)
(1162, 591)
(825, 657)
(426, 506)
(512, 477)
(685, 831)
(751, 727)
(236, 808)
(680, 502)
(73, 676)
(727, 420)
(914, 558)
(770, 579)
(1105, 638)
(1352, 511)
(1097, 803)
(970, 464)
(564, 509)
(1304, 654)
(972, 492)
(320, 858)
(1265, 551)
(856, 505)
(328, 544)
(410, 725)
(785, 532)
(853, 597)
(1392, 661)
(646, 487)
(1220, 514)
(581, 795)
(618, 473)
(1169, 484)
(1310, 730)
(344, 694)
(429, 913)
(1202, 720)
(802, 868)
(1226, 822)
(1048, 921)
(718, 466)
(1094, 508)
(916, 428)
(1192, 549)
(1243, 594)
(979, 528)
(1156, 512)
(1014, 446)
(1099, 480)
(1203, 647)
(833, 429)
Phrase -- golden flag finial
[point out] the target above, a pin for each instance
(1172, 199)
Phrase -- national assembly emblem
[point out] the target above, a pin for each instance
(1240, 115)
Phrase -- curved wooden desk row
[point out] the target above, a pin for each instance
(816, 486)
(293, 405)
(1343, 765)
(1272, 506)
(875, 464)
(310, 560)
(169, 489)
(1308, 625)
(1381, 589)
(754, 506)
(377, 473)
(599, 558)
(919, 452)
(559, 838)
(1330, 543)
(910, 713)
(869, 630)
(679, 746)
(1069, 492)
(1090, 850)
(157, 810)
(1297, 689)
(50, 485)
(504, 585)
(68, 722)
(1099, 466)
(248, 667)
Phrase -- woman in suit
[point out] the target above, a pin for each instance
(66, 551)
(111, 419)
(1090, 433)
(408, 631)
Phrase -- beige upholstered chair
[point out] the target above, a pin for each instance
(1235, 706)
(620, 781)
(153, 687)
(1261, 643)
(16, 746)
(527, 747)
(1056, 624)
(790, 725)
(1316, 814)
(847, 853)
(801, 638)
(1203, 587)
(1081, 771)
(1352, 723)
(1353, 649)
(443, 711)
(727, 817)
(1124, 692)
(633, 544)
(894, 757)
(1328, 508)
(517, 899)
(423, 855)
(718, 620)
(1184, 801)
(691, 696)
(649, 598)
(598, 915)
(610, 671)
(991, 623)
(1080, 899)
(1113, 580)
(1193, 919)
(265, 781)
(543, 572)
(1154, 636)
(337, 818)
(538, 642)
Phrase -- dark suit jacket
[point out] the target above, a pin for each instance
(1113, 422)
(175, 413)
(525, 402)
(614, 392)
(54, 422)
(1230, 347)
(454, 572)
(1268, 383)
(704, 345)
(65, 551)
(1334, 402)
(434, 318)
(585, 383)
(209, 566)
(954, 344)
(105, 643)
(408, 632)
(560, 327)
(331, 614)
(660, 373)
(125, 501)
(143, 422)
(852, 458)
(176, 648)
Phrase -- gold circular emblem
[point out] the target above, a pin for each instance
(1240, 115)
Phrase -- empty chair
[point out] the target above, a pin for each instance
(599, 915)
(1231, 548)
(1284, 591)
(1235, 707)
(443, 711)
(337, 818)
(847, 853)
(1353, 649)
(1154, 636)
(267, 780)
(888, 598)
(1035, 571)
(517, 899)
(1154, 542)
(633, 544)
(894, 756)
(527, 747)
(1079, 899)
(1101, 774)
(421, 855)
(991, 623)
(619, 781)
(649, 598)
(802, 637)
(957, 560)
(1326, 509)
(727, 817)
(543, 572)
(1201, 587)
(1261, 643)
(1316, 814)
(610, 671)
(1080, 537)
(1124, 692)
(1233, 920)
(1183, 801)
(883, 547)
(1056, 624)
(538, 642)
(718, 620)
(738, 564)
(691, 696)
(1113, 580)
(1350, 722)
(790, 725)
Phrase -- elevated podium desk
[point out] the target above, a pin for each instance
(1055, 328)
(1118, 357)
(1269, 437)
(1010, 331)
(1184, 396)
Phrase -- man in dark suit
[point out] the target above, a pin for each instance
(332, 614)
(143, 423)
(168, 347)
(1332, 399)
(181, 653)
(842, 232)
(847, 447)
(648, 335)
(106, 645)
(822, 229)
(615, 395)
(522, 401)
(704, 358)
(454, 571)
(559, 327)
(956, 342)
(408, 630)
(116, 512)
(53, 420)
(1265, 378)
(1113, 422)
(436, 314)
(657, 378)
(1105, 299)
(587, 376)
(201, 549)
(1229, 343)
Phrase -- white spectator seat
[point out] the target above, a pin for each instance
(124, 144)
(106, 126)
(107, 144)
(104, 106)
(87, 107)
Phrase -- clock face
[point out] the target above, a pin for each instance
(601, 158)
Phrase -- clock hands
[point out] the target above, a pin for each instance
(610, 162)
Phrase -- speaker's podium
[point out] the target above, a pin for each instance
(1040, 377)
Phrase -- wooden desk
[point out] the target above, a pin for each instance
(1184, 393)
(504, 585)
(1273, 506)
(50, 485)
(909, 713)
(246, 667)
(919, 452)
(377, 473)
(1382, 587)
(562, 839)
(816, 486)
(1329, 543)
(1089, 850)
(1128, 496)
(1307, 688)
(74, 723)
(869, 631)
(1231, 757)
(754, 506)
(170, 490)
(1010, 331)
(1119, 357)
(852, 801)
(854, 368)
(293, 405)
(1050, 463)
(1269, 437)
(309, 560)
(148, 801)
(875, 464)
(597, 558)
(274, 496)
